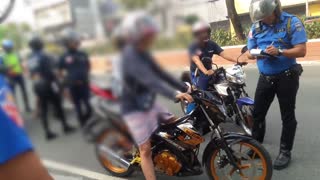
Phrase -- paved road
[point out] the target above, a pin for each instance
(73, 150)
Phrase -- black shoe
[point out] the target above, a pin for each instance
(68, 129)
(51, 136)
(283, 160)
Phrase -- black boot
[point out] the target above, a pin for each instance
(283, 160)
(51, 135)
(67, 129)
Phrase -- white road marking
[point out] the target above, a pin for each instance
(60, 177)
(76, 170)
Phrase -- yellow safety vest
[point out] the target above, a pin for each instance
(12, 61)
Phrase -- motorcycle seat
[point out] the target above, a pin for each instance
(174, 122)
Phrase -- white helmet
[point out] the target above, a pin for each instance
(119, 36)
(138, 25)
(200, 26)
(69, 35)
(260, 9)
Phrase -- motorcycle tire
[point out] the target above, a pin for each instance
(258, 151)
(106, 163)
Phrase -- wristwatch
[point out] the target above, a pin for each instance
(280, 52)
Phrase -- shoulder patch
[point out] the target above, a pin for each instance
(298, 26)
(69, 59)
(250, 35)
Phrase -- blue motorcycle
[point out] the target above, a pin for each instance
(230, 84)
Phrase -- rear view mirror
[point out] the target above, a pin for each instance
(244, 49)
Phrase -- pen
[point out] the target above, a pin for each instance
(271, 43)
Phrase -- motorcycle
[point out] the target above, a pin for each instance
(175, 146)
(230, 85)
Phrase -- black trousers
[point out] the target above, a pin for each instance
(286, 88)
(81, 98)
(46, 97)
(19, 80)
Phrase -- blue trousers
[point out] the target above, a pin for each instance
(201, 82)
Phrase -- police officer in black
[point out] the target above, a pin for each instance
(46, 86)
(74, 66)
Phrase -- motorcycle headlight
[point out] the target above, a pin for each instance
(238, 78)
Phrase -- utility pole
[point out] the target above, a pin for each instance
(97, 20)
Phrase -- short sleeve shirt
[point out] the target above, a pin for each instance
(13, 139)
(41, 63)
(76, 64)
(208, 51)
(279, 37)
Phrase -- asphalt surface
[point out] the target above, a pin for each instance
(74, 150)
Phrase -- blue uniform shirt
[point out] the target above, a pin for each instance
(13, 139)
(278, 35)
(77, 65)
(209, 50)
(42, 64)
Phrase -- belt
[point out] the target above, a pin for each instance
(272, 78)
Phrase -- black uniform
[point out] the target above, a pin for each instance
(46, 88)
(76, 64)
(279, 76)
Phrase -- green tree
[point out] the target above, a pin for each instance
(134, 4)
(190, 19)
(15, 32)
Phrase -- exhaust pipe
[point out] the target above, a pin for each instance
(110, 154)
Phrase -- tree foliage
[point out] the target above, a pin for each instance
(190, 19)
(134, 4)
(15, 32)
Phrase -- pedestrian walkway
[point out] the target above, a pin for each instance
(179, 58)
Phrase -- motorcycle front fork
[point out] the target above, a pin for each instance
(224, 146)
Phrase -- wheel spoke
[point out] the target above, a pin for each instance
(250, 167)
(232, 171)
(245, 166)
(254, 155)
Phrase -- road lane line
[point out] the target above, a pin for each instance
(76, 170)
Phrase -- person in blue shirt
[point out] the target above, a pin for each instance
(76, 65)
(17, 157)
(201, 53)
(46, 86)
(282, 36)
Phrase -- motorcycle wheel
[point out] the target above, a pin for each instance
(247, 122)
(118, 142)
(252, 158)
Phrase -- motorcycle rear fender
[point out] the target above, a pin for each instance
(231, 138)
(245, 101)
